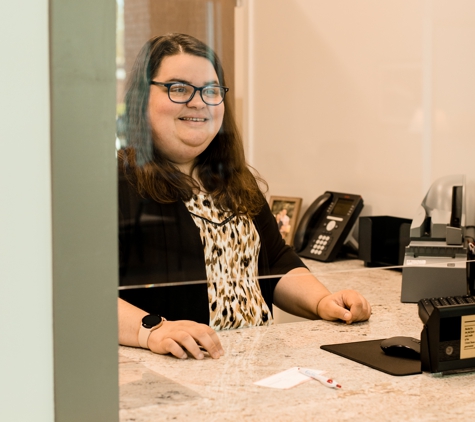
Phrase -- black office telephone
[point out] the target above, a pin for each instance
(326, 224)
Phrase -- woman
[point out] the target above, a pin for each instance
(190, 210)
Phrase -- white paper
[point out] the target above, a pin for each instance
(285, 379)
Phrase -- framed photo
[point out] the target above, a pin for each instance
(286, 212)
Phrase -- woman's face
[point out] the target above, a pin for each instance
(183, 131)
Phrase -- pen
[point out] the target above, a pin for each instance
(327, 382)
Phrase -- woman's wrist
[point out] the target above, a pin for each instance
(148, 324)
(318, 304)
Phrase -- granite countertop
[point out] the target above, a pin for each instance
(162, 388)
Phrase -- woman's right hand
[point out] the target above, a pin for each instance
(178, 337)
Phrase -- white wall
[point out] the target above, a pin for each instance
(26, 320)
(370, 97)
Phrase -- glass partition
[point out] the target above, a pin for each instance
(351, 158)
(378, 120)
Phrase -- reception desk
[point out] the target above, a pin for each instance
(162, 388)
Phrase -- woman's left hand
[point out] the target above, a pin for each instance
(346, 305)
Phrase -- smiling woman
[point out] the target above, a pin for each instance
(183, 130)
(166, 137)
(191, 209)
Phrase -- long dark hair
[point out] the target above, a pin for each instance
(221, 168)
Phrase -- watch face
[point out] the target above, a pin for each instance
(150, 321)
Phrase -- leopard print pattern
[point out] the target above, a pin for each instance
(231, 247)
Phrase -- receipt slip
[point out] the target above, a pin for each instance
(285, 379)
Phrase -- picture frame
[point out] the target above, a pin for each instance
(286, 210)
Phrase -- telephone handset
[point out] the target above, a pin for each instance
(326, 224)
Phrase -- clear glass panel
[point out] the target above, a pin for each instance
(143, 224)
(120, 75)
(347, 164)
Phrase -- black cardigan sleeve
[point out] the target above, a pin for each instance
(159, 243)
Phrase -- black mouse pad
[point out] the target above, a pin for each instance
(369, 353)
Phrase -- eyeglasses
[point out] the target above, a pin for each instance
(182, 93)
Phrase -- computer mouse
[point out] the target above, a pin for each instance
(404, 347)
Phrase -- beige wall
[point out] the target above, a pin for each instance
(370, 97)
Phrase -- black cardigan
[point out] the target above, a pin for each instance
(160, 243)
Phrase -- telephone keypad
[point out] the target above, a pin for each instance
(320, 244)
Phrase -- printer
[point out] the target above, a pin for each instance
(441, 234)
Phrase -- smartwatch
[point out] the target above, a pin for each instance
(149, 324)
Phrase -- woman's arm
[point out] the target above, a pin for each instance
(175, 337)
(301, 294)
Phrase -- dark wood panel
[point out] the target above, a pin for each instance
(211, 21)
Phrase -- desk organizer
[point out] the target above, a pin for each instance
(382, 240)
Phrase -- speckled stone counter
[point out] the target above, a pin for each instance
(162, 388)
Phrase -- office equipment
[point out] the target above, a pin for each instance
(435, 261)
(402, 346)
(471, 266)
(448, 336)
(426, 306)
(326, 225)
(382, 240)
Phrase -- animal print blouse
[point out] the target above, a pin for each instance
(231, 248)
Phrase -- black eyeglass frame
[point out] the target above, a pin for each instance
(195, 88)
